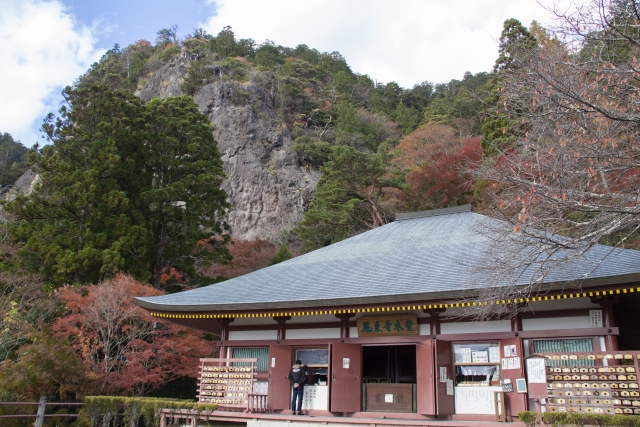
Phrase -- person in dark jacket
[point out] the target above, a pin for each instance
(297, 378)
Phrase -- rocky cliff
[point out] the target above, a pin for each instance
(267, 185)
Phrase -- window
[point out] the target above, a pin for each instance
(313, 356)
(477, 364)
(262, 354)
(573, 345)
(317, 362)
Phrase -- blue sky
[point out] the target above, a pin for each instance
(125, 21)
(47, 44)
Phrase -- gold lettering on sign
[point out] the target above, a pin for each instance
(379, 326)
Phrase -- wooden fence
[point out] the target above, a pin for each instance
(42, 409)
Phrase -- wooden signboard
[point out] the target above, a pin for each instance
(226, 382)
(380, 326)
(389, 398)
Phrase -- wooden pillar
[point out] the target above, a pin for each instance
(434, 319)
(516, 323)
(282, 330)
(608, 321)
(344, 324)
(224, 335)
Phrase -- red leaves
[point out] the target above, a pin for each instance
(440, 167)
(122, 353)
(248, 256)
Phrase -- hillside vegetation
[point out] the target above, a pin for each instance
(344, 123)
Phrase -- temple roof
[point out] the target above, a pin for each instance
(420, 257)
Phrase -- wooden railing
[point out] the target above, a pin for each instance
(257, 403)
(40, 415)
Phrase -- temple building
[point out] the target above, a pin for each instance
(381, 322)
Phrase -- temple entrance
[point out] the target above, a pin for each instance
(389, 376)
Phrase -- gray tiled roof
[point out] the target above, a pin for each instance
(417, 258)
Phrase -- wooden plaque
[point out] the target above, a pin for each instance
(380, 326)
(389, 397)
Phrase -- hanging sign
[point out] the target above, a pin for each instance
(449, 387)
(507, 385)
(595, 318)
(536, 370)
(378, 326)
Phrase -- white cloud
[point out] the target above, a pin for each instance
(43, 50)
(408, 41)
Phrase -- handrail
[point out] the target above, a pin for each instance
(48, 403)
(256, 402)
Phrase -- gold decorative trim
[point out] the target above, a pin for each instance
(399, 308)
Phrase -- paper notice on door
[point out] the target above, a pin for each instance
(273, 362)
(449, 387)
(388, 398)
(516, 363)
(346, 362)
(443, 374)
(494, 354)
(536, 370)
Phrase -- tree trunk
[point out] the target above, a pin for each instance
(160, 255)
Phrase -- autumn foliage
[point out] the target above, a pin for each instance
(120, 350)
(248, 256)
(439, 165)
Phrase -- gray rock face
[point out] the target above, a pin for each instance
(267, 185)
(166, 80)
(23, 186)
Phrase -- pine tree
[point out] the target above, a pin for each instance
(123, 187)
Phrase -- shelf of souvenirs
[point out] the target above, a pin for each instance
(478, 364)
(609, 408)
(478, 383)
(605, 390)
(623, 372)
(223, 401)
(225, 385)
(589, 359)
(228, 395)
(226, 372)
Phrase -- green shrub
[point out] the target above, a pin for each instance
(234, 68)
(555, 419)
(117, 410)
(169, 52)
(528, 417)
(197, 76)
(574, 419)
(577, 419)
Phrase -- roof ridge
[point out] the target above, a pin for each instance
(434, 212)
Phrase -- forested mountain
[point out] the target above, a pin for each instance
(286, 116)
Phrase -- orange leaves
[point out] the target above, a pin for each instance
(121, 350)
(248, 256)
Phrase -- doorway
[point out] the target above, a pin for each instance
(392, 364)
(389, 375)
